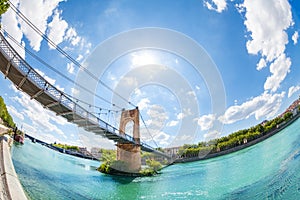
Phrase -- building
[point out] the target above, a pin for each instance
(172, 151)
(95, 151)
(293, 108)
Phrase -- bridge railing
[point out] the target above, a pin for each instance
(26, 70)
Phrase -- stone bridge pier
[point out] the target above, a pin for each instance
(130, 153)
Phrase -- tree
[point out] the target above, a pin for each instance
(153, 164)
(4, 115)
(4, 5)
(108, 155)
(287, 116)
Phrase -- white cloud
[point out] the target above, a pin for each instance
(70, 68)
(77, 42)
(12, 110)
(162, 138)
(180, 116)
(172, 123)
(144, 103)
(47, 78)
(148, 122)
(295, 37)
(265, 105)
(79, 58)
(60, 88)
(206, 121)
(90, 140)
(216, 5)
(267, 22)
(191, 93)
(10, 24)
(111, 11)
(261, 64)
(42, 119)
(71, 35)
(13, 87)
(74, 91)
(130, 81)
(38, 13)
(30, 129)
(155, 125)
(235, 102)
(46, 16)
(137, 92)
(292, 90)
(158, 117)
(279, 69)
(56, 29)
(211, 135)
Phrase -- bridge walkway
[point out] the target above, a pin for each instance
(26, 79)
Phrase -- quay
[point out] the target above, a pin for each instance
(10, 186)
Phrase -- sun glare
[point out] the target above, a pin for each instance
(143, 58)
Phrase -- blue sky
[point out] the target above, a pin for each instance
(249, 51)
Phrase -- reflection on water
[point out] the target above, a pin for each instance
(268, 170)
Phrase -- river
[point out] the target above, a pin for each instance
(268, 170)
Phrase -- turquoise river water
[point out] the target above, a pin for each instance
(268, 170)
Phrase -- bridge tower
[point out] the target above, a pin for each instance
(130, 153)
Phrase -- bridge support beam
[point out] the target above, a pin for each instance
(127, 152)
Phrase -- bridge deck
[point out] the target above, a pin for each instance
(25, 78)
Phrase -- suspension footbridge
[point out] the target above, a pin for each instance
(28, 80)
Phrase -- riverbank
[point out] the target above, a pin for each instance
(268, 170)
(10, 186)
(240, 147)
(61, 150)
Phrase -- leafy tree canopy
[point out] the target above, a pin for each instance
(5, 116)
(4, 5)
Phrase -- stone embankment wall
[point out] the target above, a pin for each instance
(10, 186)
(240, 147)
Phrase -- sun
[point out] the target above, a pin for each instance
(143, 58)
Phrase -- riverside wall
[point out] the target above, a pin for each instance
(240, 147)
(10, 186)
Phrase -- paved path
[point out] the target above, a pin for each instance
(3, 129)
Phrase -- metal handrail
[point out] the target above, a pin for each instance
(26, 70)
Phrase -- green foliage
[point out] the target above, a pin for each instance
(160, 149)
(5, 116)
(108, 155)
(67, 147)
(19, 132)
(114, 166)
(153, 164)
(233, 140)
(148, 172)
(4, 5)
(104, 168)
(287, 116)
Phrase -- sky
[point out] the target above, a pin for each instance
(197, 69)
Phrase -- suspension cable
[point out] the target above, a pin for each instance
(77, 64)
(58, 72)
(148, 130)
(70, 58)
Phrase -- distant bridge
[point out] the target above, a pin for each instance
(26, 79)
